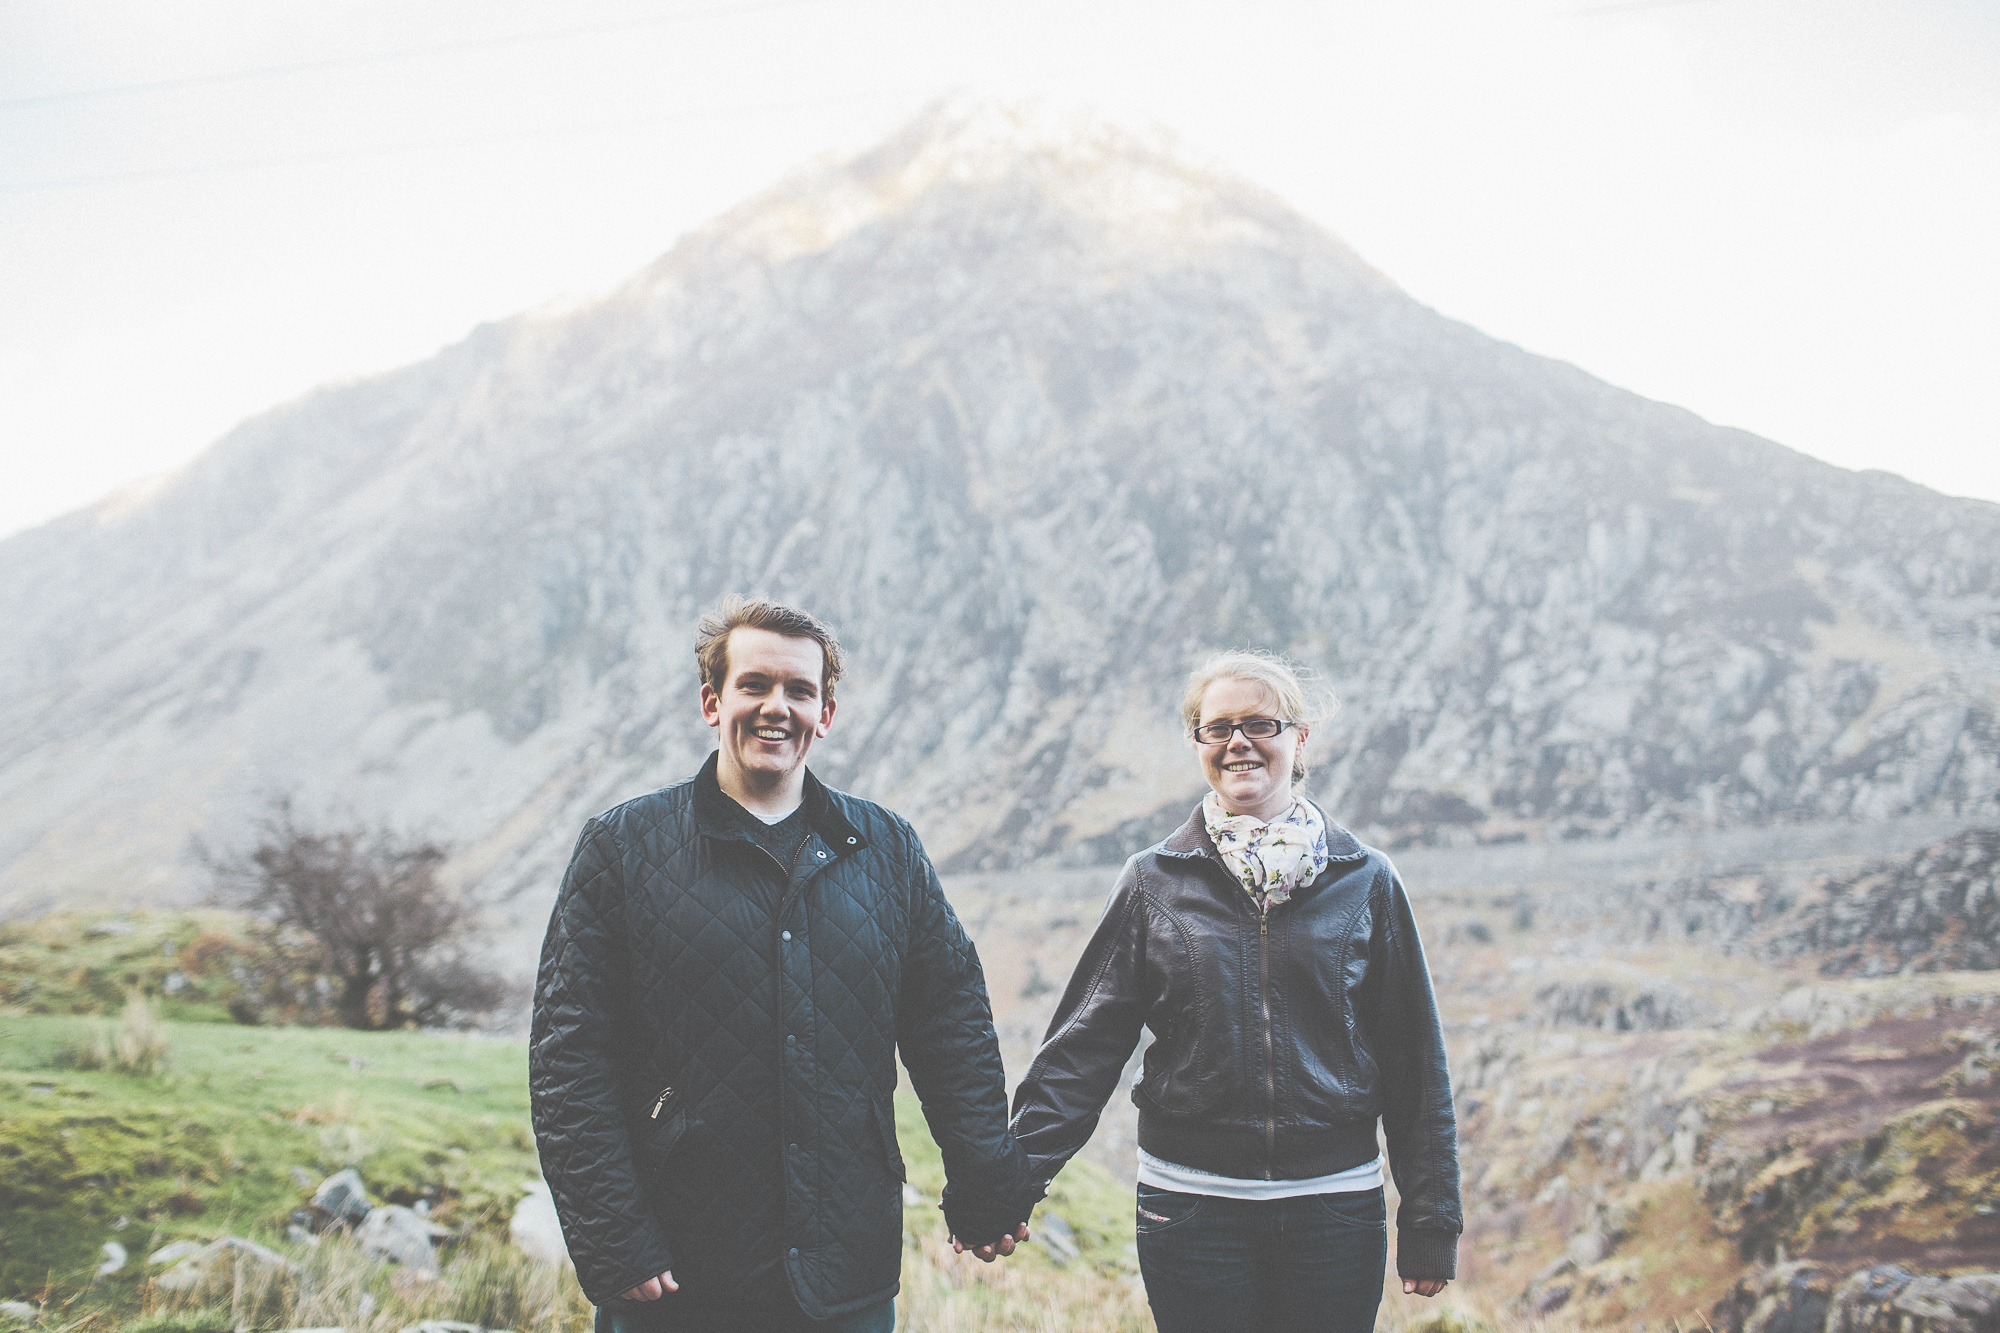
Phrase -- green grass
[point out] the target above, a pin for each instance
(208, 1148)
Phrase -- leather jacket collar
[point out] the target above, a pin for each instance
(1191, 840)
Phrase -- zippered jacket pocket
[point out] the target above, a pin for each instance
(664, 1124)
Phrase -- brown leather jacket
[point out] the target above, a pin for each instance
(1279, 1039)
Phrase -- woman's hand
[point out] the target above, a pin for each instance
(1429, 1286)
(652, 1288)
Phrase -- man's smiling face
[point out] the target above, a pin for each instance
(771, 707)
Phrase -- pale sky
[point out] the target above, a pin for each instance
(1777, 213)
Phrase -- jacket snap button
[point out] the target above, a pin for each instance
(791, 1039)
(795, 1251)
(795, 1147)
(852, 841)
(822, 856)
(784, 934)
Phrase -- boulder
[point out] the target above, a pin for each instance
(222, 1260)
(1588, 1246)
(114, 1258)
(1057, 1236)
(397, 1233)
(1549, 1290)
(173, 1252)
(535, 1229)
(343, 1197)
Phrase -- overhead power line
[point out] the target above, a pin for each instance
(1630, 6)
(406, 53)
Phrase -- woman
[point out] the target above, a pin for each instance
(1275, 960)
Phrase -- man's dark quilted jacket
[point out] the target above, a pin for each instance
(680, 957)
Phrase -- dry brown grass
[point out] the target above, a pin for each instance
(484, 1281)
(949, 1293)
(138, 1044)
(487, 1282)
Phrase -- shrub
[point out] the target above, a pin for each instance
(365, 923)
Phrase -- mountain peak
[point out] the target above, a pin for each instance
(1142, 185)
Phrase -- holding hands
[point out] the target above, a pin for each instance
(991, 1221)
(986, 1254)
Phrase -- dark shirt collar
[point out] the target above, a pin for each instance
(715, 813)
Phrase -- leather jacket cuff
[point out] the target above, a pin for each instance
(1423, 1254)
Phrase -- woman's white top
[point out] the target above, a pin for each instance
(1163, 1175)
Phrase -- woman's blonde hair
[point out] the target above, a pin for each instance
(1298, 695)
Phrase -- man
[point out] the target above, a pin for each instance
(731, 967)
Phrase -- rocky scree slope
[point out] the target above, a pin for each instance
(1037, 417)
(1665, 1113)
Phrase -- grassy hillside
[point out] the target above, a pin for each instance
(242, 1122)
(196, 962)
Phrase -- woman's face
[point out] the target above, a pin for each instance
(1249, 777)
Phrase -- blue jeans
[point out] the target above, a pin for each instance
(665, 1316)
(1309, 1264)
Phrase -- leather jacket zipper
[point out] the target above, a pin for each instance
(666, 1095)
(1270, 1048)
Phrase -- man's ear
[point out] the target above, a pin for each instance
(825, 718)
(711, 705)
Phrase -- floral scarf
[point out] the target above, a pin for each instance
(1270, 859)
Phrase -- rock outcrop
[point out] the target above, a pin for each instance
(1784, 1298)
(1887, 1299)
(1938, 911)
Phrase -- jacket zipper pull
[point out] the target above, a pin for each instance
(666, 1095)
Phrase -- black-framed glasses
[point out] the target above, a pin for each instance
(1253, 729)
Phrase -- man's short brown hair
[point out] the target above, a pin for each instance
(711, 637)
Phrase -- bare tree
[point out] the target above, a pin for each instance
(371, 917)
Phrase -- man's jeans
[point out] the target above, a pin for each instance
(1214, 1265)
(667, 1316)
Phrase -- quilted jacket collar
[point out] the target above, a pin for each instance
(713, 818)
(1191, 839)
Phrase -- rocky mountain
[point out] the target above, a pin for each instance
(1038, 414)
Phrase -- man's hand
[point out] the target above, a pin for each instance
(1429, 1286)
(652, 1288)
(986, 1254)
